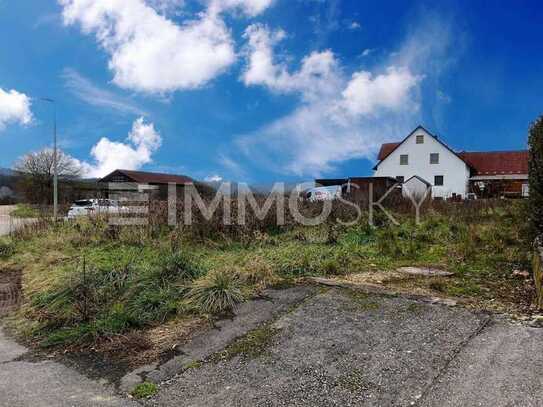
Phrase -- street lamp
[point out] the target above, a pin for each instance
(55, 158)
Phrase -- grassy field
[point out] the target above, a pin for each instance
(86, 283)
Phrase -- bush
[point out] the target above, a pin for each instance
(218, 292)
(536, 176)
(6, 249)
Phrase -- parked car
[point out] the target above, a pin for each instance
(94, 207)
(324, 193)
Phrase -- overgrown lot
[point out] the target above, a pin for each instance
(87, 284)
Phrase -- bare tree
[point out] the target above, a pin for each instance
(36, 170)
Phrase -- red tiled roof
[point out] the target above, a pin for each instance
(386, 149)
(150, 177)
(497, 162)
(482, 163)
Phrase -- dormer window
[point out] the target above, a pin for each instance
(404, 159)
(420, 139)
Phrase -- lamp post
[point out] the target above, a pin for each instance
(55, 158)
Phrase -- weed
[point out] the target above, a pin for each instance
(6, 249)
(25, 211)
(144, 390)
(217, 292)
(251, 345)
(194, 365)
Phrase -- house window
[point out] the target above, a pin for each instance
(434, 158)
(420, 139)
(399, 178)
(438, 180)
(404, 159)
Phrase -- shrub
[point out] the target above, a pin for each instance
(6, 249)
(178, 266)
(536, 176)
(218, 292)
(144, 390)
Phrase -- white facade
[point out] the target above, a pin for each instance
(415, 188)
(455, 171)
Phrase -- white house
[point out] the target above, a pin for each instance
(426, 157)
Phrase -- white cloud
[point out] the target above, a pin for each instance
(166, 7)
(14, 108)
(366, 52)
(213, 178)
(339, 118)
(251, 8)
(94, 95)
(143, 140)
(149, 52)
(318, 73)
(355, 25)
(365, 93)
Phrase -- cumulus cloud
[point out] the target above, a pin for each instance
(339, 117)
(318, 74)
(14, 108)
(151, 53)
(137, 150)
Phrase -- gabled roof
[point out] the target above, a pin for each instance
(481, 163)
(420, 179)
(389, 148)
(143, 177)
(386, 149)
(497, 162)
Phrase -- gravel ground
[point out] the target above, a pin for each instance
(335, 350)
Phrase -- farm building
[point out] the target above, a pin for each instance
(454, 174)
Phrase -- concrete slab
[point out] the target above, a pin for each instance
(47, 383)
(338, 348)
(502, 366)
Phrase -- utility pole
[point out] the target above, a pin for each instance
(55, 159)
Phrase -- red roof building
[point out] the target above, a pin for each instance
(503, 172)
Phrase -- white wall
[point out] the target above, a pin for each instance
(454, 170)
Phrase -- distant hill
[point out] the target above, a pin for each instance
(6, 172)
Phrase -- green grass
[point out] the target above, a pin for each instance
(24, 211)
(144, 390)
(85, 281)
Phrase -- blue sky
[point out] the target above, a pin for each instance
(264, 90)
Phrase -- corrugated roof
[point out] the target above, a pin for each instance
(143, 177)
(497, 162)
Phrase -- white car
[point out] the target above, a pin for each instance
(324, 193)
(94, 207)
